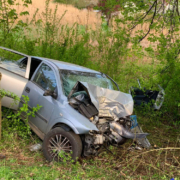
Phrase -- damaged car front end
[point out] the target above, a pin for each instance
(109, 110)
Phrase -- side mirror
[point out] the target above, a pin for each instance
(50, 93)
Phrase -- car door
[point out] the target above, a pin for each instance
(14, 77)
(43, 79)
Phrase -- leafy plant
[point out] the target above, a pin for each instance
(9, 94)
(14, 119)
(9, 23)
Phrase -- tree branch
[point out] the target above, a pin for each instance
(177, 9)
(151, 22)
(144, 15)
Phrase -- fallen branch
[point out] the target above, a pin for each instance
(168, 148)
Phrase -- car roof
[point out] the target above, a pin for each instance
(67, 66)
(60, 64)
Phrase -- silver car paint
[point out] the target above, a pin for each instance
(62, 112)
(8, 81)
(18, 82)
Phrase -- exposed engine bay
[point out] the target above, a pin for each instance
(109, 110)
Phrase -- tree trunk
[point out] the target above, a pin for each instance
(0, 108)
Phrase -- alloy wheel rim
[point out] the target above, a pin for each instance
(58, 145)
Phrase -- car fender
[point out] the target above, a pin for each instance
(77, 129)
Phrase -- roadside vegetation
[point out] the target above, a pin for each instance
(116, 50)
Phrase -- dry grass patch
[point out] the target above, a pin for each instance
(72, 15)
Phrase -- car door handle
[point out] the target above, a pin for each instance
(27, 89)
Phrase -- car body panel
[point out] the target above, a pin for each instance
(64, 113)
(14, 82)
(66, 66)
(36, 97)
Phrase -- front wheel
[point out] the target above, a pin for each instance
(59, 144)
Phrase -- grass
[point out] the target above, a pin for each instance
(160, 162)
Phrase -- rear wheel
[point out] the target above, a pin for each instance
(59, 144)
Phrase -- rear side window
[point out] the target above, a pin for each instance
(9, 61)
(45, 78)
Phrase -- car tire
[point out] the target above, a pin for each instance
(58, 141)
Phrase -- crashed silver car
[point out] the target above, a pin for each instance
(81, 109)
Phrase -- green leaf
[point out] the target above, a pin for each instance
(24, 13)
(10, 2)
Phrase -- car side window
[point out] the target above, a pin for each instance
(11, 64)
(45, 78)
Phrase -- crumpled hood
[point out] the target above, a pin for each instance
(109, 103)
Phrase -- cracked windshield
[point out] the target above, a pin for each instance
(70, 78)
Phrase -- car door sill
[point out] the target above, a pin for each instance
(37, 131)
